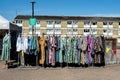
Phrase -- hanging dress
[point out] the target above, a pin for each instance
(62, 50)
(69, 53)
(83, 59)
(75, 52)
(57, 49)
(79, 45)
(42, 43)
(47, 49)
(6, 46)
(89, 39)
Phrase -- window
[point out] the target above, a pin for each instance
(58, 22)
(94, 23)
(75, 22)
(110, 23)
(30, 31)
(75, 30)
(50, 31)
(110, 31)
(94, 30)
(69, 22)
(38, 22)
(104, 23)
(50, 22)
(38, 31)
(57, 31)
(86, 22)
(86, 30)
(69, 30)
(19, 21)
(104, 30)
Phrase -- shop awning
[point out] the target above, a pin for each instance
(6, 25)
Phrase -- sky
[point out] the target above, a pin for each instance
(10, 8)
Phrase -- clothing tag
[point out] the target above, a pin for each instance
(107, 50)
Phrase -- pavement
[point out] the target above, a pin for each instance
(109, 72)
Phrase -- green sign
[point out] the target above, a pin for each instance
(32, 21)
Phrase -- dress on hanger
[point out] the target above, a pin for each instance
(42, 43)
(6, 46)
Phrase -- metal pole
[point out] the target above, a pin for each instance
(33, 29)
(33, 15)
(33, 8)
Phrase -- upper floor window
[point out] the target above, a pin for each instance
(38, 22)
(19, 21)
(86, 22)
(58, 22)
(49, 22)
(94, 23)
(69, 22)
(75, 22)
(104, 23)
(110, 23)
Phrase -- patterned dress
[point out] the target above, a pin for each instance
(69, 53)
(61, 50)
(79, 45)
(75, 51)
(83, 57)
(6, 48)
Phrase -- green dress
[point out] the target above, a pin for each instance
(6, 46)
(74, 50)
(65, 50)
(69, 53)
(61, 50)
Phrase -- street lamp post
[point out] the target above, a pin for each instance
(33, 15)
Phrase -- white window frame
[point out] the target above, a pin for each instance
(58, 24)
(69, 31)
(50, 23)
(86, 23)
(19, 22)
(105, 33)
(104, 23)
(57, 30)
(94, 23)
(119, 30)
(86, 28)
(94, 30)
(75, 30)
(38, 31)
(75, 23)
(110, 29)
(110, 23)
(30, 29)
(88, 31)
(69, 23)
(50, 31)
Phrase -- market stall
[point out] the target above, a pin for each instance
(7, 27)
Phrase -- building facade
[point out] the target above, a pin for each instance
(71, 25)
